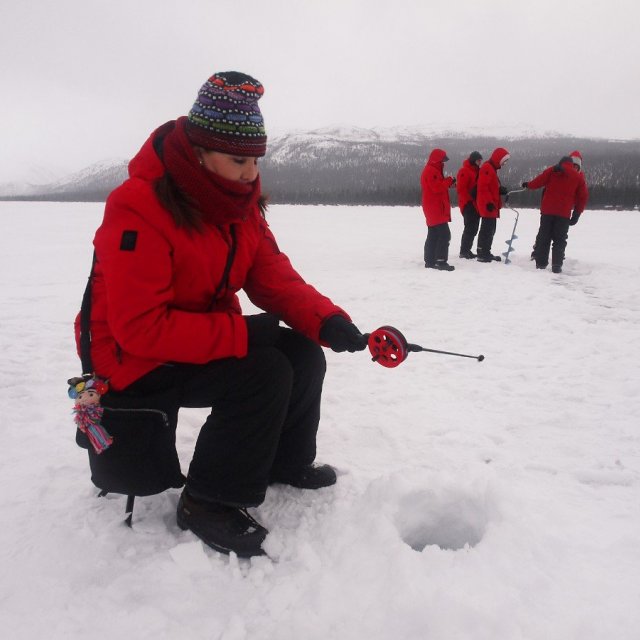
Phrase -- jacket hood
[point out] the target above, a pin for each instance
(497, 156)
(566, 164)
(437, 157)
(576, 158)
(147, 163)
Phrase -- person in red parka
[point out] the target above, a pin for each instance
(467, 188)
(563, 201)
(489, 202)
(179, 239)
(437, 211)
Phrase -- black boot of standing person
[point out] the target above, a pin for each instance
(436, 248)
(553, 229)
(485, 241)
(471, 225)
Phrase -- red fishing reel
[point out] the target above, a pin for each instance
(388, 347)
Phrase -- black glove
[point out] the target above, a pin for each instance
(453, 182)
(503, 191)
(574, 218)
(525, 185)
(342, 335)
(491, 207)
(263, 329)
(474, 192)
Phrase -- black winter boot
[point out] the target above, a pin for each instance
(222, 527)
(488, 257)
(469, 255)
(443, 265)
(556, 268)
(311, 477)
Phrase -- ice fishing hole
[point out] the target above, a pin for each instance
(452, 521)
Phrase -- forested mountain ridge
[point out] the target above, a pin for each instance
(367, 166)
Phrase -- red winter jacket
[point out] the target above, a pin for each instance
(489, 185)
(435, 190)
(466, 181)
(565, 190)
(161, 294)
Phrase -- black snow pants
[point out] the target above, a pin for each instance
(436, 246)
(552, 229)
(264, 418)
(485, 236)
(471, 224)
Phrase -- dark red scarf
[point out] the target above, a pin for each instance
(219, 200)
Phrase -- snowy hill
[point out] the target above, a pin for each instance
(97, 177)
(480, 501)
(91, 183)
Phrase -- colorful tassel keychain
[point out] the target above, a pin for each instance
(86, 391)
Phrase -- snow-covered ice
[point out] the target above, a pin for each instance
(496, 500)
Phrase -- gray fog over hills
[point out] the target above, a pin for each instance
(383, 166)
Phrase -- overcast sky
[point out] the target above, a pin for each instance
(85, 80)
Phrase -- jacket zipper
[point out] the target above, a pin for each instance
(224, 281)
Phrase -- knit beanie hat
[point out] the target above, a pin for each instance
(576, 158)
(475, 156)
(226, 117)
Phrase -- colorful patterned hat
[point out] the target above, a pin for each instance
(225, 116)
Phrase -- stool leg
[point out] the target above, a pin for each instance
(129, 510)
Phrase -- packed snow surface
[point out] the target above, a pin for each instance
(493, 500)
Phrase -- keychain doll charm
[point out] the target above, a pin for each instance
(86, 391)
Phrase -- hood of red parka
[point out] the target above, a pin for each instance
(497, 155)
(568, 165)
(436, 158)
(146, 164)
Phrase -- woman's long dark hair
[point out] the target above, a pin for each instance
(182, 209)
(177, 203)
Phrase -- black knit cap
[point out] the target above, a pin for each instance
(475, 156)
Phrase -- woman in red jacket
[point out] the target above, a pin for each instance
(563, 201)
(467, 188)
(437, 211)
(489, 202)
(179, 239)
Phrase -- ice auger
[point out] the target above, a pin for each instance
(513, 237)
